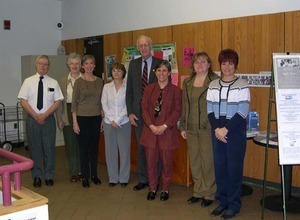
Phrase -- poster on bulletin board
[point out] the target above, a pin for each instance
(163, 51)
(287, 89)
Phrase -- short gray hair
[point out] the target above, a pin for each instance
(74, 56)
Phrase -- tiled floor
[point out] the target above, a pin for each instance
(71, 201)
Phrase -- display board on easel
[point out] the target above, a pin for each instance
(287, 90)
(164, 51)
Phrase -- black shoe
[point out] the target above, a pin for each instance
(49, 182)
(164, 196)
(206, 202)
(140, 186)
(37, 182)
(123, 184)
(85, 183)
(218, 211)
(96, 180)
(151, 195)
(112, 184)
(193, 199)
(228, 214)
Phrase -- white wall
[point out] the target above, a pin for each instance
(33, 31)
(99, 17)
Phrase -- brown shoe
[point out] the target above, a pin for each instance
(74, 178)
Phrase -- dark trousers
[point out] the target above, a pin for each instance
(71, 145)
(229, 163)
(88, 141)
(41, 142)
(142, 168)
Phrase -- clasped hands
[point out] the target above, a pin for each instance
(221, 134)
(115, 125)
(157, 130)
(40, 118)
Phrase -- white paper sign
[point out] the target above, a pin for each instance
(287, 88)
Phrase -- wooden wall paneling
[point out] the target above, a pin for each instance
(75, 45)
(292, 32)
(114, 44)
(255, 38)
(158, 35)
(111, 46)
(203, 36)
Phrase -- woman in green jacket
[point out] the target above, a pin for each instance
(196, 129)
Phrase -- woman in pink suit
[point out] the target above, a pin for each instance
(161, 108)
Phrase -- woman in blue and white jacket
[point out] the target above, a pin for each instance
(228, 102)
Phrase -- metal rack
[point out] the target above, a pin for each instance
(12, 126)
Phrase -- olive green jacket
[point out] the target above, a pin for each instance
(187, 85)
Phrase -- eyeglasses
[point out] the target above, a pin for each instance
(117, 70)
(44, 64)
(143, 45)
(157, 108)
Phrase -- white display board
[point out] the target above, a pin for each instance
(36, 213)
(287, 89)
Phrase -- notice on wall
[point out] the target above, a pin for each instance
(287, 89)
(109, 61)
(188, 53)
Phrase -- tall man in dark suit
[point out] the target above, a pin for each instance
(134, 93)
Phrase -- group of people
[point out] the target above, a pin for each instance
(211, 111)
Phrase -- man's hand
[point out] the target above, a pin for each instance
(132, 119)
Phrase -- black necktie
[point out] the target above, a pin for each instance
(40, 94)
(145, 75)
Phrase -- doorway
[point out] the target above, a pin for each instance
(94, 46)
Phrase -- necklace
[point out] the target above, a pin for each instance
(90, 79)
(87, 82)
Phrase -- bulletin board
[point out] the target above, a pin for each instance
(164, 51)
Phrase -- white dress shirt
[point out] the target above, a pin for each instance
(29, 91)
(114, 104)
